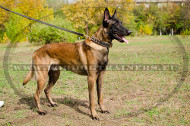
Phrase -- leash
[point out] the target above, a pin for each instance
(42, 22)
(95, 40)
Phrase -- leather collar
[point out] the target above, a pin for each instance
(97, 41)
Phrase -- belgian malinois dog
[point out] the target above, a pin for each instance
(90, 52)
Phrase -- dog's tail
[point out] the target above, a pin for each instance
(29, 75)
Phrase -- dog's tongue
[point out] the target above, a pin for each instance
(125, 40)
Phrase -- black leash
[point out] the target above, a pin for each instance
(44, 22)
(105, 44)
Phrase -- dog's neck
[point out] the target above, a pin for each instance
(102, 35)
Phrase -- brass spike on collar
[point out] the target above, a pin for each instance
(104, 44)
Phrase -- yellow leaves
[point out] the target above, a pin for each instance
(14, 24)
(90, 12)
(34, 8)
(145, 29)
(3, 13)
(151, 19)
(141, 30)
(5, 38)
(148, 29)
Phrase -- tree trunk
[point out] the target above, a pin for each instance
(86, 28)
(160, 32)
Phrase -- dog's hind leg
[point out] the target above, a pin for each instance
(53, 77)
(37, 96)
(41, 80)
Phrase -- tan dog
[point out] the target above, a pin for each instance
(91, 56)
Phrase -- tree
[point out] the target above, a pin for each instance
(184, 18)
(87, 13)
(4, 14)
(17, 27)
(4, 18)
(160, 19)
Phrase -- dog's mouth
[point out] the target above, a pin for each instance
(121, 38)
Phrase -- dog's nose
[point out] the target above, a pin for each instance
(129, 32)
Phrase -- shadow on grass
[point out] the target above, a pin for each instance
(29, 101)
(68, 101)
(74, 103)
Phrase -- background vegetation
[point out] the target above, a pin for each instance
(44, 34)
(86, 16)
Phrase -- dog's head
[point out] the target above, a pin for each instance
(114, 27)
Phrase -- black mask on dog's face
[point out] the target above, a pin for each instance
(115, 28)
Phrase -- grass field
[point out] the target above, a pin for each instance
(131, 96)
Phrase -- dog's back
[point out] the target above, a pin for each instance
(61, 54)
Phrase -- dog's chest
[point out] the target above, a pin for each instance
(102, 61)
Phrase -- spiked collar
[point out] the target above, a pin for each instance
(97, 41)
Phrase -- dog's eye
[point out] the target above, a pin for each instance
(116, 24)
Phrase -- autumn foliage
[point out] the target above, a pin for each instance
(16, 28)
(87, 13)
(85, 16)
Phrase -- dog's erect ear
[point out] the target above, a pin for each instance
(106, 18)
(114, 15)
(106, 14)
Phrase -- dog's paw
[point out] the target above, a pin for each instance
(42, 112)
(96, 118)
(54, 105)
(105, 111)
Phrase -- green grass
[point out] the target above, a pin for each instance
(20, 114)
(122, 112)
(124, 91)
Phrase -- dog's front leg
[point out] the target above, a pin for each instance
(91, 89)
(99, 83)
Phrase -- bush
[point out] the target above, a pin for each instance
(1, 35)
(147, 30)
(186, 32)
(44, 34)
(17, 27)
